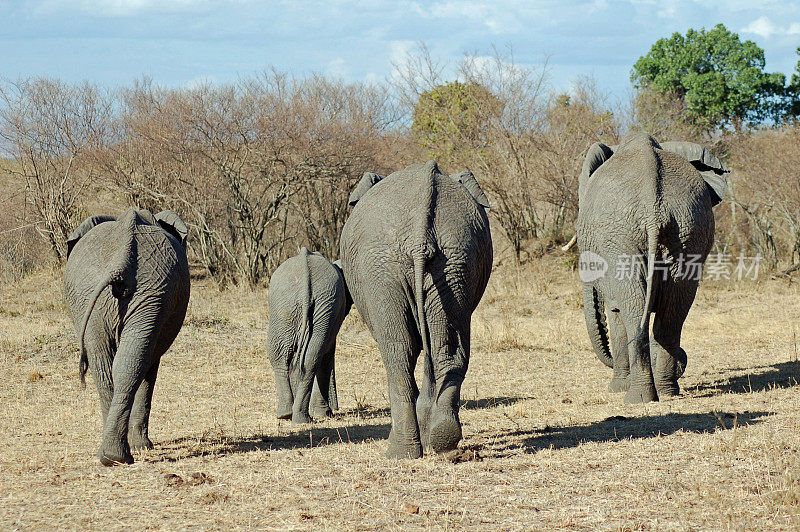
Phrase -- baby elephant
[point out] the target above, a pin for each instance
(308, 301)
(126, 286)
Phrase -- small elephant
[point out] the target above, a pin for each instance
(650, 205)
(126, 287)
(308, 301)
(417, 254)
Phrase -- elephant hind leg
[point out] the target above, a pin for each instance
(101, 358)
(138, 435)
(132, 362)
(404, 438)
(323, 395)
(642, 388)
(669, 359)
(442, 428)
(621, 380)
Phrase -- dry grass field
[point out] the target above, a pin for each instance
(546, 446)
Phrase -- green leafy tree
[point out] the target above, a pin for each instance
(720, 79)
(454, 118)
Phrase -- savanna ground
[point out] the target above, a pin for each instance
(546, 446)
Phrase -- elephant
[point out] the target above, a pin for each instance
(645, 227)
(126, 289)
(307, 301)
(416, 253)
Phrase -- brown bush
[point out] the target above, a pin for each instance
(259, 167)
(767, 190)
(254, 167)
(525, 146)
(51, 128)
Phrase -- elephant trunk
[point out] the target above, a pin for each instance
(116, 278)
(594, 311)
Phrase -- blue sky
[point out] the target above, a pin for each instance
(178, 42)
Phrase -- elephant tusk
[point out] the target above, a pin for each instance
(569, 245)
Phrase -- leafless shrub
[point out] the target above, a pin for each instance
(664, 116)
(573, 123)
(50, 128)
(21, 248)
(340, 129)
(253, 166)
(766, 188)
(499, 120)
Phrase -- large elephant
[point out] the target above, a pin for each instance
(308, 301)
(126, 286)
(417, 253)
(645, 227)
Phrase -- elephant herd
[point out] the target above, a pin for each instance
(415, 259)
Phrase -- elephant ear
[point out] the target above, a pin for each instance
(710, 168)
(598, 154)
(84, 228)
(366, 183)
(172, 224)
(471, 184)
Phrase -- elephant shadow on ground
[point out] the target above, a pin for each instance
(490, 402)
(371, 412)
(748, 380)
(615, 428)
(312, 436)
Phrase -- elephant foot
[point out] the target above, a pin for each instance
(321, 412)
(619, 384)
(680, 362)
(284, 411)
(139, 442)
(110, 458)
(445, 434)
(641, 394)
(404, 450)
(300, 418)
(668, 389)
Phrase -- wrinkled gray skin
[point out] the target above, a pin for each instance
(126, 287)
(417, 254)
(308, 302)
(655, 202)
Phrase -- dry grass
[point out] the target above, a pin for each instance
(546, 447)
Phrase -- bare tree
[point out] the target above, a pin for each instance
(50, 129)
(340, 130)
(524, 145)
(765, 167)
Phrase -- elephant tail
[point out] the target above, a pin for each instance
(425, 249)
(654, 220)
(652, 247)
(116, 279)
(305, 319)
(419, 294)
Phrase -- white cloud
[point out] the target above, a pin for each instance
(399, 50)
(337, 68)
(499, 17)
(117, 8)
(764, 27)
